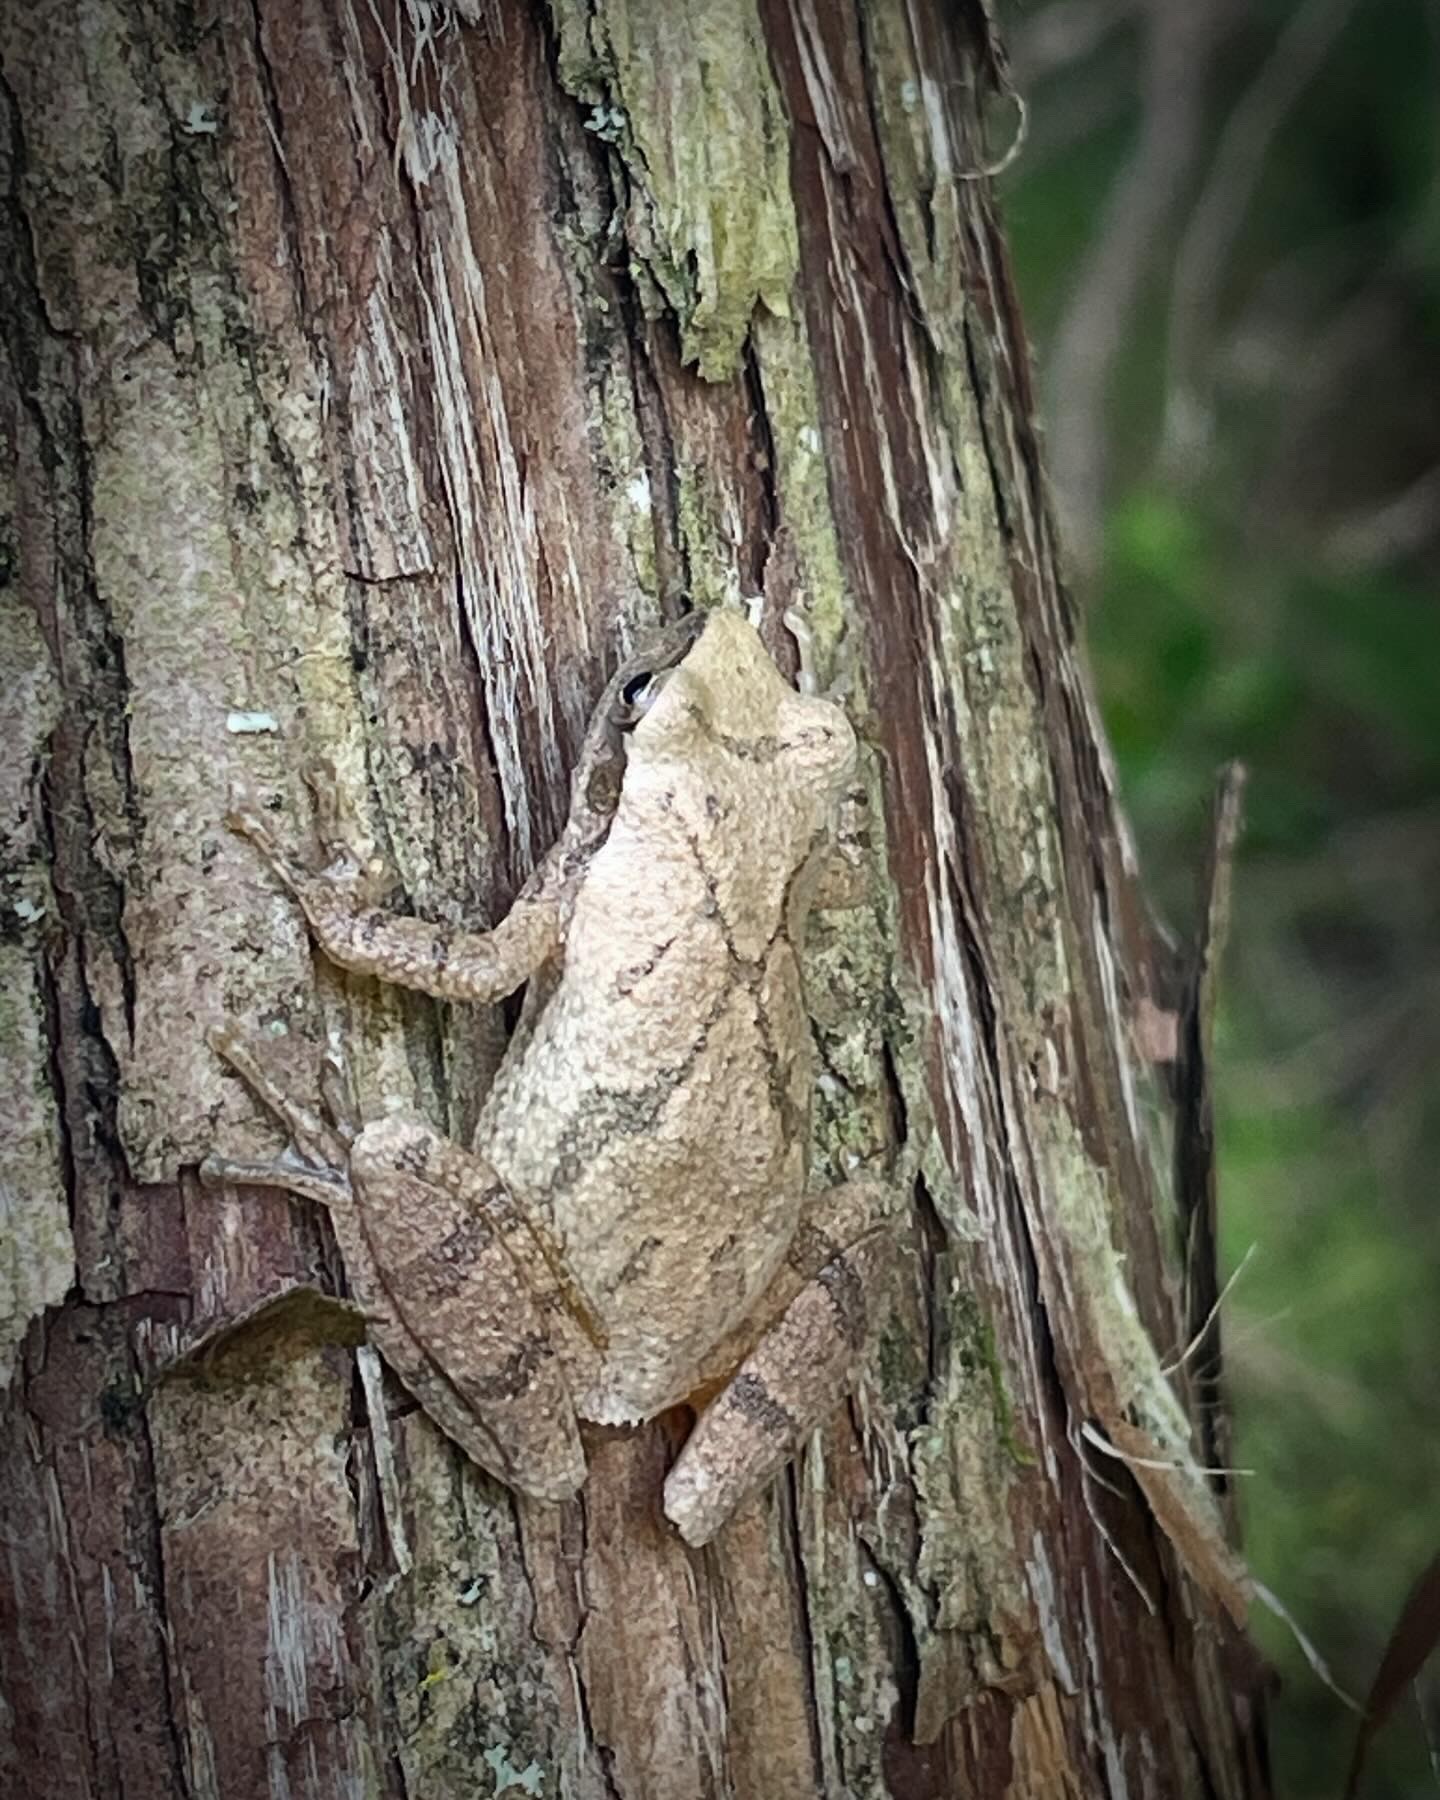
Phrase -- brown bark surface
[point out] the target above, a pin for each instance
(371, 374)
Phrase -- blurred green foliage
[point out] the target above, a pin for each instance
(1260, 571)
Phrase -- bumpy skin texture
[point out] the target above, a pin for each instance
(633, 1229)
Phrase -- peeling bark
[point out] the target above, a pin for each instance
(371, 377)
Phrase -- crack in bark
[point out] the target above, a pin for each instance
(155, 1554)
(789, 1489)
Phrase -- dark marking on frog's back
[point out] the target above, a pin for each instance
(638, 1262)
(626, 980)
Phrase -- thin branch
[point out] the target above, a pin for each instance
(1052, 40)
(1219, 213)
(1098, 320)
(1198, 1336)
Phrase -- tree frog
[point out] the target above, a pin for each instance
(632, 1229)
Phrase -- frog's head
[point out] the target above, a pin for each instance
(727, 698)
(731, 783)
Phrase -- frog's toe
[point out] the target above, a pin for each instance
(339, 828)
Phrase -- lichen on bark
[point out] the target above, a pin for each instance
(688, 104)
(37, 1248)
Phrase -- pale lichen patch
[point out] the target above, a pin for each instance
(964, 1460)
(37, 1252)
(792, 410)
(164, 556)
(509, 1779)
(620, 454)
(689, 102)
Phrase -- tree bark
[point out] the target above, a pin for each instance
(372, 375)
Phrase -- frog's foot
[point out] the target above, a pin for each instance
(313, 1163)
(338, 827)
(807, 679)
(795, 1376)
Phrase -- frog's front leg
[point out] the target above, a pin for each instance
(452, 965)
(463, 1298)
(480, 966)
(814, 1325)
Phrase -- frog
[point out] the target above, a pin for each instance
(632, 1227)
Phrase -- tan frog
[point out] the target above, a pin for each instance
(633, 1228)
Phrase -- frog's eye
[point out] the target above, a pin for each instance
(640, 693)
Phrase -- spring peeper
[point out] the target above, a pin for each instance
(633, 1227)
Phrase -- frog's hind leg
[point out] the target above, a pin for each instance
(448, 1238)
(315, 1166)
(822, 1307)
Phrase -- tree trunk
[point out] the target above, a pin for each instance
(374, 373)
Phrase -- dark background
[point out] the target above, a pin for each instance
(1226, 224)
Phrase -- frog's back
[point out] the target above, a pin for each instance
(656, 1122)
(656, 1114)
